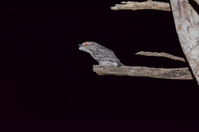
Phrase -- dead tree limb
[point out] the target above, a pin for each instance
(187, 26)
(138, 71)
(186, 17)
(146, 5)
(109, 64)
(162, 54)
(152, 5)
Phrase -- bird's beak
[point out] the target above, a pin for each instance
(80, 46)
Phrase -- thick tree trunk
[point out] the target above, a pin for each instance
(187, 26)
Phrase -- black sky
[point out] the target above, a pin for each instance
(47, 81)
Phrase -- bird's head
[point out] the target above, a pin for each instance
(88, 46)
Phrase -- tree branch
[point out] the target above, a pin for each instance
(197, 1)
(186, 17)
(162, 54)
(152, 5)
(187, 26)
(138, 71)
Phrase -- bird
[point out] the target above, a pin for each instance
(103, 55)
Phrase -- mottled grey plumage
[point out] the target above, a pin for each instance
(103, 55)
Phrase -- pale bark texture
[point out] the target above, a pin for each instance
(146, 5)
(139, 71)
(162, 54)
(197, 1)
(186, 20)
(187, 26)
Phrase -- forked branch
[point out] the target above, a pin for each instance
(141, 71)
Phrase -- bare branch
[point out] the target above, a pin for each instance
(152, 5)
(162, 54)
(138, 71)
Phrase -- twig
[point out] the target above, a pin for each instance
(152, 5)
(138, 71)
(162, 54)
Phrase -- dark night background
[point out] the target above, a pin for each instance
(48, 84)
